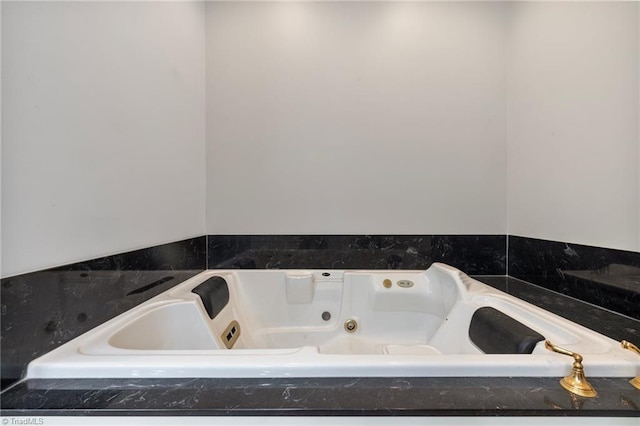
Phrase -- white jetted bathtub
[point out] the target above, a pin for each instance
(304, 323)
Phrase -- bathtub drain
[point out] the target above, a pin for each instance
(350, 325)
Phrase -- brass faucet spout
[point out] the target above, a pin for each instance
(576, 382)
(628, 345)
(635, 382)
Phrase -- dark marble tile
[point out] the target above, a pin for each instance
(408, 396)
(604, 277)
(415, 396)
(474, 254)
(180, 255)
(498, 282)
(616, 326)
(42, 310)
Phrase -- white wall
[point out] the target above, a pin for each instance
(356, 118)
(103, 129)
(573, 120)
(1, 139)
(320, 118)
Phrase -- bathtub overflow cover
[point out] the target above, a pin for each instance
(405, 283)
(350, 325)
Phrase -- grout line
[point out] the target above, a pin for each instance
(507, 255)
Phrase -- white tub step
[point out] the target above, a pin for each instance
(410, 350)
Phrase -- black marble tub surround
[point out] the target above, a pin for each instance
(473, 254)
(430, 396)
(605, 277)
(42, 310)
(348, 396)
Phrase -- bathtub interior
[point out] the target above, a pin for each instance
(176, 326)
(300, 309)
(294, 323)
(276, 310)
(287, 310)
